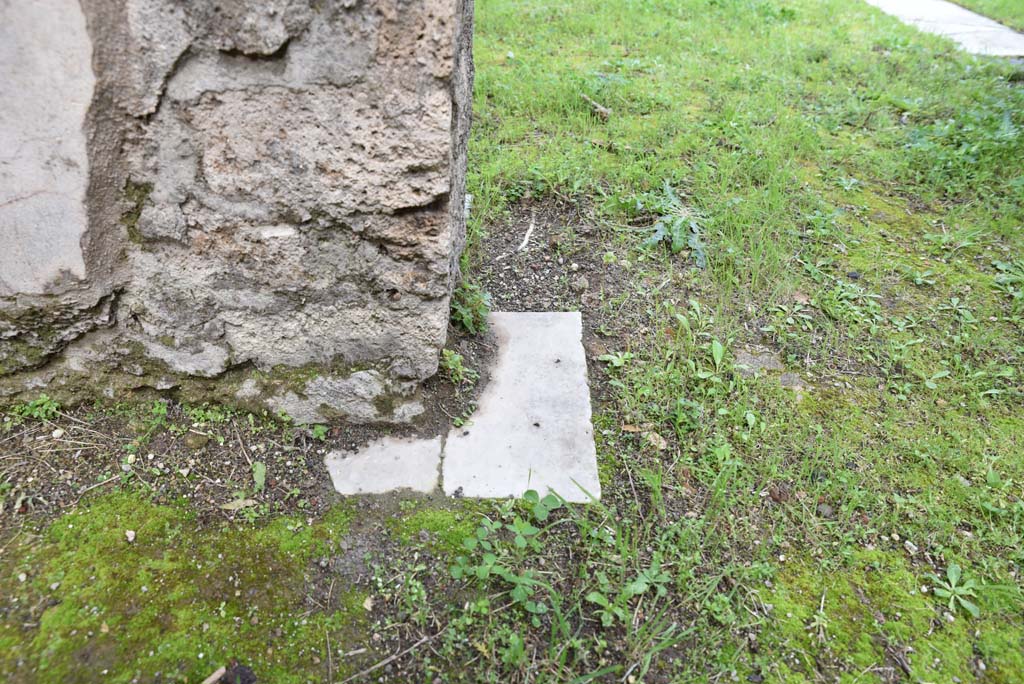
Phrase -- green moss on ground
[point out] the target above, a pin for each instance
(870, 616)
(178, 600)
(446, 528)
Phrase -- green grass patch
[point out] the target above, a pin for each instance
(1009, 12)
(873, 617)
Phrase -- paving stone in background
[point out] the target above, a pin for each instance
(973, 32)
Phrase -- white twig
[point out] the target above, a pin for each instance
(369, 670)
(215, 677)
(602, 112)
(526, 238)
(522, 245)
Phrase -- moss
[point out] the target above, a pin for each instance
(281, 378)
(854, 620)
(130, 374)
(296, 377)
(110, 380)
(18, 355)
(385, 405)
(42, 328)
(1002, 651)
(136, 195)
(447, 528)
(101, 382)
(180, 600)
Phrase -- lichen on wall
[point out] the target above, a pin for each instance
(272, 185)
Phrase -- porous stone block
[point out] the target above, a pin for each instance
(244, 200)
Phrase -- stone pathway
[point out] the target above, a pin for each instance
(973, 32)
(386, 465)
(531, 429)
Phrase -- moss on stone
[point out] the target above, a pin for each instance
(385, 405)
(17, 355)
(39, 335)
(136, 195)
(295, 378)
(131, 374)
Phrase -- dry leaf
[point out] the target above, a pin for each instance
(631, 428)
(657, 441)
(368, 603)
(238, 504)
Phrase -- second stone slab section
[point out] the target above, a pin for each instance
(532, 428)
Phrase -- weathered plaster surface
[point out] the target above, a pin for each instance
(271, 185)
(43, 163)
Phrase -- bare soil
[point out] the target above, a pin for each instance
(49, 466)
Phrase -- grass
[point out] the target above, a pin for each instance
(1009, 12)
(846, 192)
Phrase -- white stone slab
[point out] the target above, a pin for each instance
(973, 32)
(532, 427)
(386, 465)
(46, 85)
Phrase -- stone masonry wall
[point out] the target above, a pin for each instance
(252, 201)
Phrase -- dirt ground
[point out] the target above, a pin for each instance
(206, 454)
